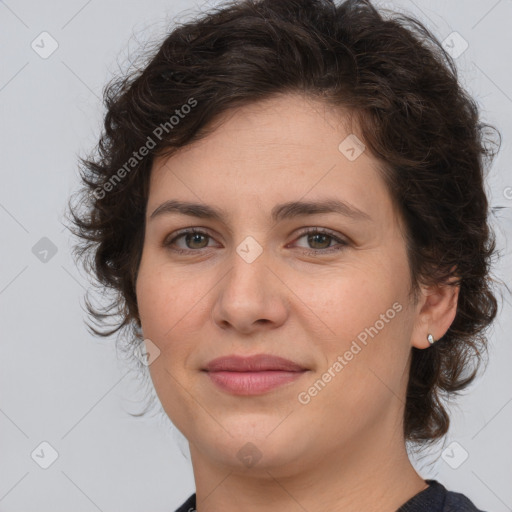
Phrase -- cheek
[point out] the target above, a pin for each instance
(173, 308)
(344, 303)
(360, 321)
(166, 306)
(164, 298)
(363, 362)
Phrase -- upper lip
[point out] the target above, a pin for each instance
(256, 363)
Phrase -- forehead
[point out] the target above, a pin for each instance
(277, 150)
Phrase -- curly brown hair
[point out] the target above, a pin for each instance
(392, 76)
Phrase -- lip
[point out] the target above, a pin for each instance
(256, 363)
(252, 375)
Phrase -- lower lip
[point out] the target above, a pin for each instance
(252, 383)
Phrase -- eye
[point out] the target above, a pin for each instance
(193, 239)
(320, 240)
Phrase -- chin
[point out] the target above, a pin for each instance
(256, 443)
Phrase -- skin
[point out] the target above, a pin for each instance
(344, 450)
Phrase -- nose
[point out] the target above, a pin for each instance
(250, 297)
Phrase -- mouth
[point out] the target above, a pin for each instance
(252, 375)
(256, 363)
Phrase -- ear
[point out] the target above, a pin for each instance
(435, 312)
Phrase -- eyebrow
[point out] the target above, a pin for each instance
(280, 212)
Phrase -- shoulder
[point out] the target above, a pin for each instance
(458, 502)
(189, 505)
(436, 498)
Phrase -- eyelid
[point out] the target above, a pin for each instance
(168, 240)
(341, 241)
(322, 231)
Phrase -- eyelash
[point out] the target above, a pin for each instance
(308, 231)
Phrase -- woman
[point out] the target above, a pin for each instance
(289, 201)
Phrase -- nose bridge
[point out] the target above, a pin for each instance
(249, 294)
(249, 273)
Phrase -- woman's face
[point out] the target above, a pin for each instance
(335, 302)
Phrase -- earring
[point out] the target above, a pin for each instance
(431, 339)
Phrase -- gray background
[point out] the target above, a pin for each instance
(61, 385)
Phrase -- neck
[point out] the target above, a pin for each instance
(374, 474)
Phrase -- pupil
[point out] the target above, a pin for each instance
(195, 237)
(325, 237)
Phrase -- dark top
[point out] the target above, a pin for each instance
(435, 498)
